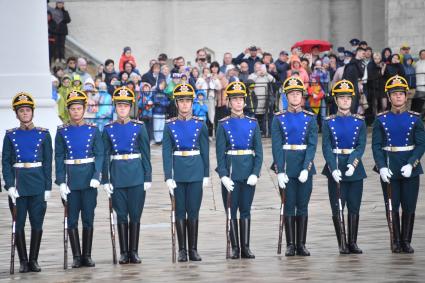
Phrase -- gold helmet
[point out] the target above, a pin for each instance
(123, 95)
(293, 83)
(22, 99)
(343, 87)
(76, 97)
(183, 91)
(235, 89)
(396, 83)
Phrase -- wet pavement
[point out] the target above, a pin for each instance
(376, 264)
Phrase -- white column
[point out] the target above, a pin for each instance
(25, 61)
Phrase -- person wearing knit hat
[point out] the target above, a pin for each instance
(27, 174)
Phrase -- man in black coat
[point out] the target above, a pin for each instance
(354, 72)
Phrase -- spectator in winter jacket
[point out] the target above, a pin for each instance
(200, 108)
(146, 108)
(419, 97)
(161, 103)
(126, 57)
(282, 66)
(153, 77)
(105, 113)
(62, 19)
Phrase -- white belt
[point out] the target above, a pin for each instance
(343, 150)
(27, 165)
(186, 152)
(399, 148)
(79, 161)
(240, 152)
(294, 146)
(126, 156)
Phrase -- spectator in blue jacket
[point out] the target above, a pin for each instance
(251, 60)
(146, 108)
(161, 103)
(200, 109)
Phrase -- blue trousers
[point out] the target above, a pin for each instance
(34, 206)
(405, 192)
(188, 200)
(128, 203)
(298, 196)
(83, 201)
(241, 198)
(351, 194)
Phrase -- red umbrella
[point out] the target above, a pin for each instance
(307, 45)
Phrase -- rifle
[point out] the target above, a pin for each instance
(13, 242)
(228, 214)
(111, 219)
(65, 234)
(340, 211)
(112, 227)
(281, 220)
(173, 228)
(282, 208)
(390, 210)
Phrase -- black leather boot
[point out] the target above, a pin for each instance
(134, 243)
(87, 245)
(123, 238)
(22, 251)
(181, 237)
(290, 235)
(34, 249)
(407, 221)
(302, 235)
(192, 229)
(74, 239)
(342, 250)
(245, 226)
(234, 239)
(353, 228)
(396, 233)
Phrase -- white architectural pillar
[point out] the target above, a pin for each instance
(25, 61)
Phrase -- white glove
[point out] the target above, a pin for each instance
(336, 174)
(385, 174)
(350, 170)
(252, 180)
(227, 183)
(205, 182)
(171, 184)
(13, 194)
(303, 176)
(64, 190)
(147, 185)
(282, 179)
(406, 170)
(109, 189)
(94, 183)
(47, 195)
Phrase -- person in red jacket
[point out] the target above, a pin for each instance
(126, 57)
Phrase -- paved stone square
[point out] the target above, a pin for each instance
(376, 264)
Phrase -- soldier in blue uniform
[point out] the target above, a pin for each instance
(239, 157)
(294, 141)
(27, 173)
(344, 142)
(398, 143)
(127, 172)
(79, 162)
(185, 155)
